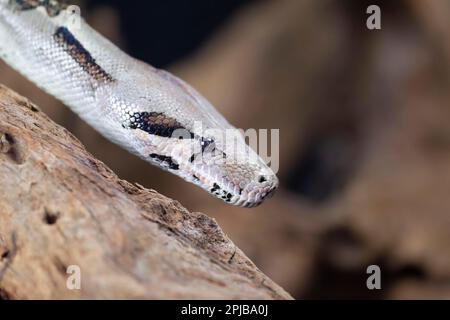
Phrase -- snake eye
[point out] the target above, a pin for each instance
(262, 179)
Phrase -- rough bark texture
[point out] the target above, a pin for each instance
(59, 206)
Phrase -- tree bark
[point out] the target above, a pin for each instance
(61, 207)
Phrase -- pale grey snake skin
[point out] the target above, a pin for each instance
(143, 109)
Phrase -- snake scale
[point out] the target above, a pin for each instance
(145, 110)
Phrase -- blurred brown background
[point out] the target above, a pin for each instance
(364, 119)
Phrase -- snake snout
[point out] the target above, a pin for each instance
(256, 193)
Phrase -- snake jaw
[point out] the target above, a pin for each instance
(241, 199)
(237, 191)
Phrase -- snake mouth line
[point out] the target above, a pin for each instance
(256, 197)
(231, 193)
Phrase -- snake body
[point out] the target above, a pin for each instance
(145, 110)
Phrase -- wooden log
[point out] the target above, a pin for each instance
(63, 210)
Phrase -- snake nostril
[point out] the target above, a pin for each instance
(262, 179)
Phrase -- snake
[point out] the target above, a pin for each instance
(145, 110)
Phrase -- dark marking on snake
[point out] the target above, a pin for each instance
(165, 161)
(53, 7)
(227, 196)
(157, 123)
(207, 144)
(195, 177)
(215, 188)
(80, 55)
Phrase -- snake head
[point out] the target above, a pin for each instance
(174, 127)
(218, 160)
(230, 170)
